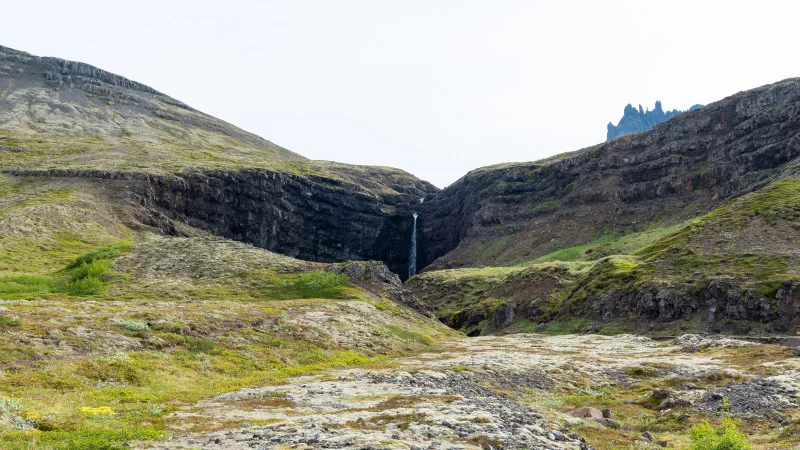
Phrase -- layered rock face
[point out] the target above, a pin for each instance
(506, 214)
(312, 218)
(634, 120)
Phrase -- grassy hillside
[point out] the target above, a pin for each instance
(740, 258)
(106, 327)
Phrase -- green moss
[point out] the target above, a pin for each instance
(315, 284)
(9, 321)
(612, 243)
(409, 335)
(567, 326)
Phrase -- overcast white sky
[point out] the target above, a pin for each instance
(433, 87)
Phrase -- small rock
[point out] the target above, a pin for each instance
(558, 436)
(647, 436)
(588, 413)
(608, 423)
(796, 351)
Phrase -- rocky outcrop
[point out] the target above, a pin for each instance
(377, 278)
(721, 305)
(312, 218)
(505, 214)
(634, 120)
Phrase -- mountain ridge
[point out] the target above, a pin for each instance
(634, 120)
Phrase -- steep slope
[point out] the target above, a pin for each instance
(61, 114)
(508, 214)
(634, 120)
(732, 270)
(66, 119)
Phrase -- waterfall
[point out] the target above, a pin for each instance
(412, 259)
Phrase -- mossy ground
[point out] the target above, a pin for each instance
(162, 322)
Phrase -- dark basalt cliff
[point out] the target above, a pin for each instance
(308, 217)
(312, 218)
(503, 215)
(634, 120)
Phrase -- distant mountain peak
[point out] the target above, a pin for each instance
(635, 120)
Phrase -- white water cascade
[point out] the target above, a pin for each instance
(412, 258)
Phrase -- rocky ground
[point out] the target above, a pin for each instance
(518, 391)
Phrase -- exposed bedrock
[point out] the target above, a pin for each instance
(313, 218)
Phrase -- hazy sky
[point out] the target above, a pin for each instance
(433, 87)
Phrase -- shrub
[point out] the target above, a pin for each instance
(85, 286)
(98, 269)
(641, 372)
(199, 345)
(11, 413)
(112, 251)
(726, 437)
(88, 273)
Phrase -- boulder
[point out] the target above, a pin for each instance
(587, 413)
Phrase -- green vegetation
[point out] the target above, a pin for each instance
(726, 437)
(9, 321)
(100, 256)
(86, 275)
(612, 244)
(567, 326)
(315, 284)
(409, 335)
(133, 325)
